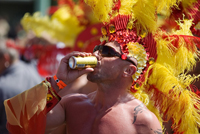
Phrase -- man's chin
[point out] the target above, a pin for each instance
(92, 77)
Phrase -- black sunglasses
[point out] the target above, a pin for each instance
(107, 51)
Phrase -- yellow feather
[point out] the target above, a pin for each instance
(101, 8)
(126, 6)
(144, 13)
(166, 4)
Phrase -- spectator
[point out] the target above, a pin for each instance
(15, 77)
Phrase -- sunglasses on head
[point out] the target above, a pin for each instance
(107, 51)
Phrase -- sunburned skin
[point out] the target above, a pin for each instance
(128, 117)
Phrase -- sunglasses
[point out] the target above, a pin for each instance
(107, 51)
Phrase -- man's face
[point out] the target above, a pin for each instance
(108, 68)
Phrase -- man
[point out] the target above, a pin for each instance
(110, 109)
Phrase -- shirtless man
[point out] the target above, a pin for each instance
(110, 109)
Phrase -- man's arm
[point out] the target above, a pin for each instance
(55, 118)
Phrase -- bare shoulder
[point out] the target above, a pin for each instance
(144, 119)
(75, 99)
(141, 114)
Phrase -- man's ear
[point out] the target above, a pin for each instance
(129, 71)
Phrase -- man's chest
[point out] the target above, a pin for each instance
(114, 122)
(111, 121)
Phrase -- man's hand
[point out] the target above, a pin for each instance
(66, 74)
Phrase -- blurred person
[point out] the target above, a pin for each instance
(4, 28)
(15, 77)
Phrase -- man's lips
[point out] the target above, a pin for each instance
(97, 67)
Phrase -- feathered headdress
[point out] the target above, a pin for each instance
(164, 59)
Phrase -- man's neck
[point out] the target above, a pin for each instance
(105, 98)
